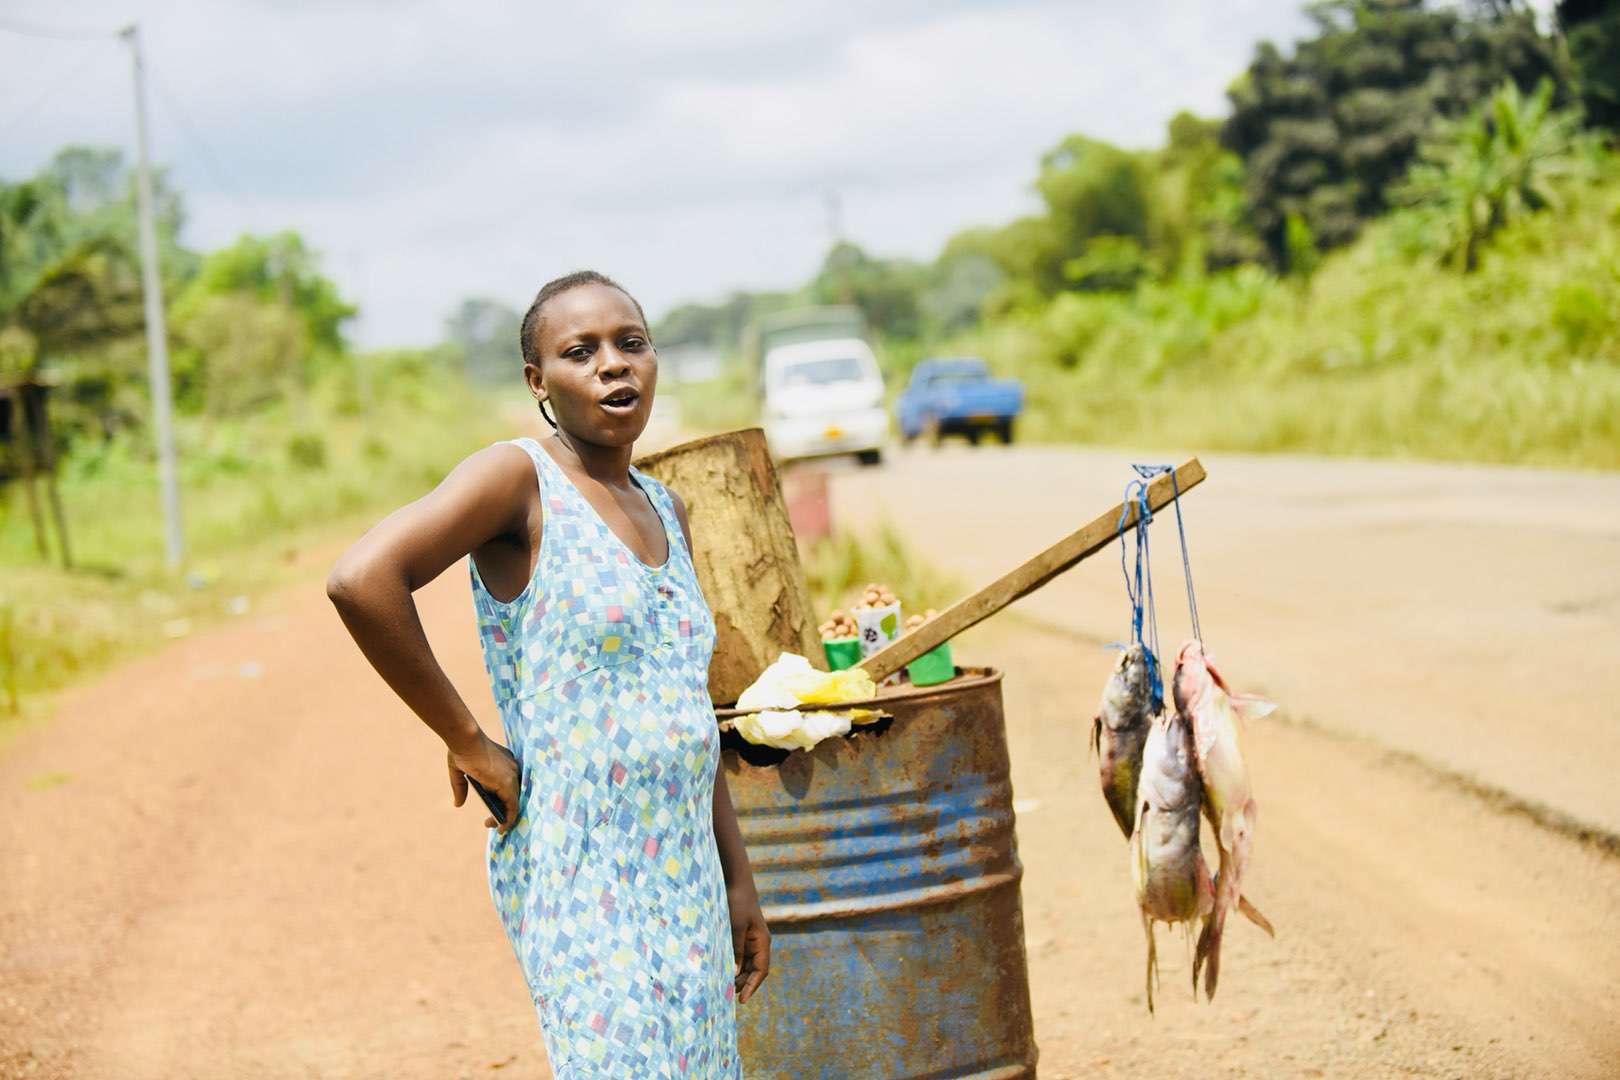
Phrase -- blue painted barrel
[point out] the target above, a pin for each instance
(888, 868)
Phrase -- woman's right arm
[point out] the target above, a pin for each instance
(488, 496)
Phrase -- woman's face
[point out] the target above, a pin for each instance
(597, 366)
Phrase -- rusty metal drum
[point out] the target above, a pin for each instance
(888, 869)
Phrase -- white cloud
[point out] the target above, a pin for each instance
(438, 150)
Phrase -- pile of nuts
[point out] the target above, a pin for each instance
(917, 620)
(877, 596)
(839, 626)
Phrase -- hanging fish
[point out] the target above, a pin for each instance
(1120, 728)
(1167, 863)
(1211, 711)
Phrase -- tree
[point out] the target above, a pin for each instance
(1095, 193)
(1092, 189)
(1328, 132)
(251, 350)
(1200, 215)
(1479, 173)
(273, 284)
(67, 284)
(485, 332)
(1592, 30)
(721, 326)
(886, 290)
(275, 269)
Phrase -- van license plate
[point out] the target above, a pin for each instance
(833, 432)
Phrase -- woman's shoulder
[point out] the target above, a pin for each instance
(508, 458)
(503, 470)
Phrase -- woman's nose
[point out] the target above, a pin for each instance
(614, 362)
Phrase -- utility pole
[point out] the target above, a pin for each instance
(835, 216)
(157, 335)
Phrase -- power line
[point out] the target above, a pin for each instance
(52, 89)
(221, 175)
(182, 119)
(29, 30)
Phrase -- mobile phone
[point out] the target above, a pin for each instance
(496, 806)
(491, 800)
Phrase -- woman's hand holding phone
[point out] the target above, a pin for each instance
(493, 771)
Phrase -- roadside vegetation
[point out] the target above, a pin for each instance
(840, 566)
(287, 438)
(1400, 242)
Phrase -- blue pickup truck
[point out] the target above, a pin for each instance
(957, 396)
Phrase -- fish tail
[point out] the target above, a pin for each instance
(1152, 959)
(1252, 913)
(1207, 955)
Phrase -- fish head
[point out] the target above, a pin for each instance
(1191, 680)
(1134, 667)
(1129, 688)
(1196, 675)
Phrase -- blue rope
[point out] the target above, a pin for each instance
(1139, 589)
(1145, 472)
(1144, 612)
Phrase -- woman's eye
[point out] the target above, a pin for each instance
(633, 343)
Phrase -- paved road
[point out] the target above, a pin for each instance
(1469, 616)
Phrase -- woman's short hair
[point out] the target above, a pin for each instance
(531, 318)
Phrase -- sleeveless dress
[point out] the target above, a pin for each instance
(609, 886)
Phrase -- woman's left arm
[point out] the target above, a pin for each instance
(750, 937)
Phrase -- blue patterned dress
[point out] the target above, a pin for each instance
(609, 886)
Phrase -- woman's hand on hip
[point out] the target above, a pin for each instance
(750, 939)
(493, 766)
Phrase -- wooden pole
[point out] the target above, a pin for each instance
(22, 439)
(1029, 576)
(44, 455)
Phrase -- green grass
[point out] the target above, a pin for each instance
(1383, 353)
(725, 403)
(255, 492)
(842, 565)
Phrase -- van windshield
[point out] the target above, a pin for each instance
(822, 372)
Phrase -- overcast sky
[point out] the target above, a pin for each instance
(437, 151)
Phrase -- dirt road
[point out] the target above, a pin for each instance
(236, 858)
(1469, 616)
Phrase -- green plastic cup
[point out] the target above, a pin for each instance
(933, 666)
(842, 653)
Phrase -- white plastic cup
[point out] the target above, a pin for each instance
(878, 627)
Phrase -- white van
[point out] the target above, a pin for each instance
(822, 398)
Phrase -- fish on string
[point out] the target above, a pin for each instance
(1134, 693)
(1211, 712)
(1120, 729)
(1172, 881)
(1175, 764)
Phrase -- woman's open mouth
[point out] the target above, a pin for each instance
(621, 402)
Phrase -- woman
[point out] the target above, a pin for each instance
(617, 867)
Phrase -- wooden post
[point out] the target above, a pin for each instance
(19, 432)
(1029, 576)
(44, 454)
(746, 558)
